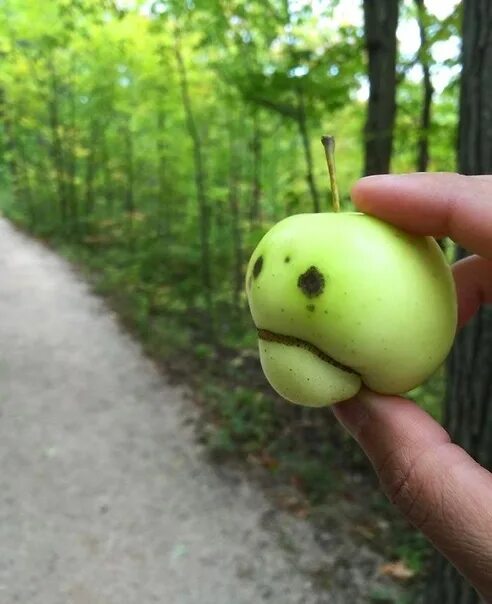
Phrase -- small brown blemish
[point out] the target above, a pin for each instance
(258, 265)
(312, 282)
(310, 307)
(287, 259)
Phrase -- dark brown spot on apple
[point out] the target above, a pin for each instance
(310, 307)
(287, 259)
(312, 282)
(258, 265)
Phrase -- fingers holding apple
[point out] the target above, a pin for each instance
(342, 300)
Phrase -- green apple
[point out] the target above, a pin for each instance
(342, 300)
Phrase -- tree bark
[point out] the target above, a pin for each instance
(468, 406)
(380, 24)
(428, 92)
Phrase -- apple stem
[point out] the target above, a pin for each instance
(329, 146)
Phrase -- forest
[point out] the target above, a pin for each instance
(153, 142)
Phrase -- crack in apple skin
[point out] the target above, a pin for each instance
(270, 336)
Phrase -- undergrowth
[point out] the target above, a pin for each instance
(241, 417)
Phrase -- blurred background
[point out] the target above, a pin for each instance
(154, 142)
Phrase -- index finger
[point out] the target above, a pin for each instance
(439, 204)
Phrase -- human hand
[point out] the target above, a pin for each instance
(438, 487)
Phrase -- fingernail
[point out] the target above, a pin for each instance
(391, 176)
(373, 177)
(381, 179)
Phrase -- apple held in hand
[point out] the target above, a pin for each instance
(343, 300)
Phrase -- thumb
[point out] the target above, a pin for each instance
(438, 487)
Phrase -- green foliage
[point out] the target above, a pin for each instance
(310, 472)
(430, 395)
(413, 549)
(244, 420)
(388, 595)
(100, 156)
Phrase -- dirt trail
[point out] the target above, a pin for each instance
(105, 497)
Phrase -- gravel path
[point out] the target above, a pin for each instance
(105, 497)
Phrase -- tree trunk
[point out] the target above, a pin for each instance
(16, 160)
(468, 409)
(90, 170)
(25, 186)
(71, 163)
(107, 176)
(428, 91)
(380, 24)
(130, 180)
(277, 209)
(163, 210)
(257, 149)
(236, 234)
(8, 148)
(199, 169)
(306, 145)
(130, 171)
(56, 143)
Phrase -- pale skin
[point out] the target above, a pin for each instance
(434, 483)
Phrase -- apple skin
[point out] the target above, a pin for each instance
(343, 300)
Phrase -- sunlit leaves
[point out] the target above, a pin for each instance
(93, 99)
